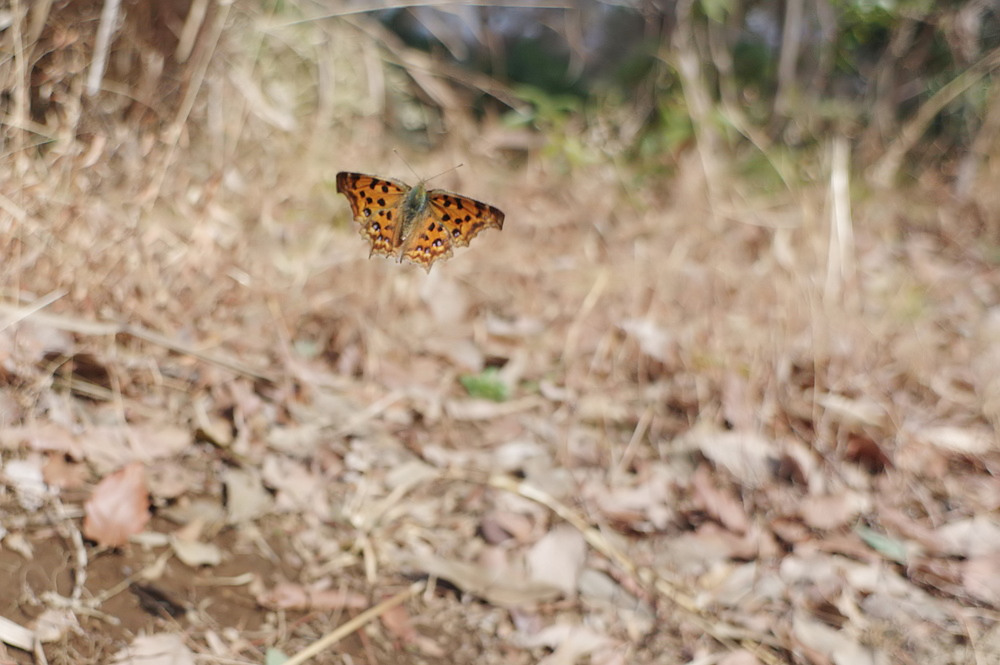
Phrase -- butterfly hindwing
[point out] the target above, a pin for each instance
(427, 242)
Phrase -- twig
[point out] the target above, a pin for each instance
(354, 624)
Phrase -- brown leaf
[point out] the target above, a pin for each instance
(118, 508)
(718, 503)
(59, 471)
(558, 558)
(980, 579)
(834, 510)
(397, 621)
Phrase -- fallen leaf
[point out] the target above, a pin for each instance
(246, 497)
(162, 649)
(837, 645)
(118, 507)
(718, 503)
(974, 537)
(397, 621)
(195, 553)
(980, 578)
(832, 511)
(747, 456)
(558, 558)
(157, 441)
(569, 643)
(654, 340)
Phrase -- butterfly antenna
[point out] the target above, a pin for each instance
(417, 176)
(407, 164)
(445, 171)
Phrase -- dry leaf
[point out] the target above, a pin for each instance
(569, 643)
(981, 578)
(654, 340)
(837, 645)
(195, 553)
(500, 525)
(62, 473)
(974, 537)
(157, 441)
(163, 649)
(397, 621)
(746, 455)
(118, 507)
(557, 558)
(246, 496)
(719, 504)
(833, 511)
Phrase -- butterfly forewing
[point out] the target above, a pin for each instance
(463, 218)
(375, 203)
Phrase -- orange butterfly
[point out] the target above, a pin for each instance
(412, 222)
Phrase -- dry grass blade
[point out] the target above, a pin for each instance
(105, 29)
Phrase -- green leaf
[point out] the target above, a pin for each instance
(485, 385)
(890, 548)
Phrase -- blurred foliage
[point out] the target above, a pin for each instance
(857, 67)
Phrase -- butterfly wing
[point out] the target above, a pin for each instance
(428, 240)
(462, 218)
(376, 203)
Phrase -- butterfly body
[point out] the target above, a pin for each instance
(414, 223)
(414, 206)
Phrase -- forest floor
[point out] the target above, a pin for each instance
(640, 424)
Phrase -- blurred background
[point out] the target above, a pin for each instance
(740, 330)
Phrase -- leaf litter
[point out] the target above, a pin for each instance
(671, 448)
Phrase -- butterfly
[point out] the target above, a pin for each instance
(414, 223)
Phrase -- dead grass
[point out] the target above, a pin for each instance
(722, 447)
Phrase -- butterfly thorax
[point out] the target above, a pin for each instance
(413, 207)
